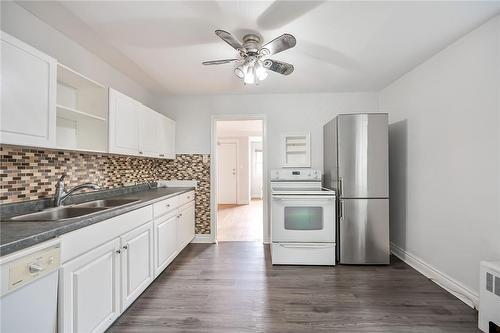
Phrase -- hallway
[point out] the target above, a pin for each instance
(240, 222)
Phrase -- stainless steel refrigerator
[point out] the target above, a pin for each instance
(356, 166)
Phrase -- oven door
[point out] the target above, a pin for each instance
(303, 218)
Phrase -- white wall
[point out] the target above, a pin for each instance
(284, 112)
(20, 23)
(445, 156)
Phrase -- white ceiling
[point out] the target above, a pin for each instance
(341, 46)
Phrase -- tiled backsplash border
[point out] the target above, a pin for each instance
(31, 173)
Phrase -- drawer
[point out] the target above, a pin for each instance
(303, 253)
(77, 242)
(162, 207)
(185, 198)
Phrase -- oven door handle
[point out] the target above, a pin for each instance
(307, 246)
(302, 197)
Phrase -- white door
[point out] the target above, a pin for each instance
(256, 170)
(165, 242)
(89, 299)
(28, 99)
(124, 114)
(137, 262)
(167, 135)
(227, 172)
(149, 133)
(185, 225)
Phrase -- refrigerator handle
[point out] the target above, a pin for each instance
(341, 209)
(341, 187)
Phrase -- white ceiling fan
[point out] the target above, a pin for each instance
(253, 56)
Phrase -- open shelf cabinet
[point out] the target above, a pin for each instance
(82, 112)
(296, 150)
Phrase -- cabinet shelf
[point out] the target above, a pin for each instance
(73, 114)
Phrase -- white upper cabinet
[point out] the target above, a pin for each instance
(82, 112)
(28, 106)
(135, 129)
(149, 140)
(124, 113)
(167, 138)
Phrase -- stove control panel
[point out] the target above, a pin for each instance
(295, 174)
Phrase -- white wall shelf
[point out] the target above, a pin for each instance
(296, 150)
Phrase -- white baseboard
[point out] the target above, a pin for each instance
(203, 238)
(451, 285)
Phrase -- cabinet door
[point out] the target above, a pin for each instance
(137, 262)
(165, 242)
(28, 105)
(167, 135)
(124, 113)
(185, 225)
(89, 299)
(150, 137)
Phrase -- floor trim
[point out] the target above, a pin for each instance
(451, 285)
(203, 238)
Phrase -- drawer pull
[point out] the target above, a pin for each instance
(125, 247)
(118, 251)
(167, 205)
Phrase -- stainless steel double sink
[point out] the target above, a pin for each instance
(74, 211)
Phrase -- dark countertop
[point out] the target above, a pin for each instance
(18, 235)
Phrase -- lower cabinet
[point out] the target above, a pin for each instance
(185, 225)
(165, 241)
(98, 282)
(90, 293)
(137, 262)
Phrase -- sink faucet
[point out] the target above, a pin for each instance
(62, 194)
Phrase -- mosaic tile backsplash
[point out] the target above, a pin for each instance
(32, 173)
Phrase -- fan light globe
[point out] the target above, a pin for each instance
(260, 70)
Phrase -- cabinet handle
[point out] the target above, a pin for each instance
(167, 205)
(125, 247)
(141, 152)
(118, 251)
(162, 155)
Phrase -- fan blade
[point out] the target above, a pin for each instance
(278, 66)
(228, 38)
(279, 44)
(219, 62)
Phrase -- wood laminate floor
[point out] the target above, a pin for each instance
(240, 222)
(232, 287)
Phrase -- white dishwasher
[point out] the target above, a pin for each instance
(29, 282)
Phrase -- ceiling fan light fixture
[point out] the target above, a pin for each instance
(253, 62)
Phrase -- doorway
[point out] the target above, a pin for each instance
(239, 162)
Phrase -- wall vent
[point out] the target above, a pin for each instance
(489, 296)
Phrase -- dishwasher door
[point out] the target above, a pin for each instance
(31, 308)
(28, 289)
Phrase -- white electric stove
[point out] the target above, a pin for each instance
(302, 218)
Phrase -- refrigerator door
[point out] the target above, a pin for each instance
(364, 231)
(363, 156)
(330, 179)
